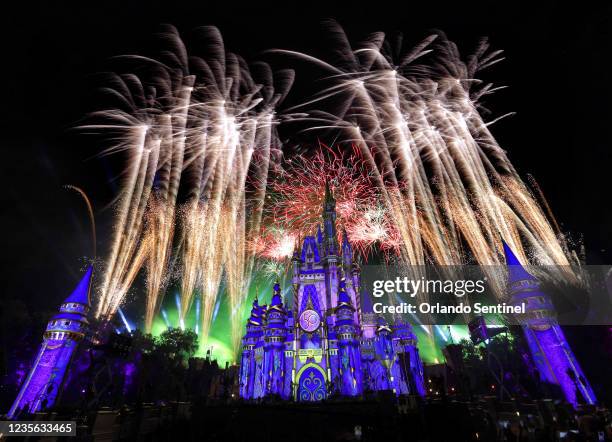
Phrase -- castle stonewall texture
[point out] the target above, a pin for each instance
(324, 345)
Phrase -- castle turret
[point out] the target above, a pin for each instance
(349, 354)
(409, 364)
(249, 344)
(275, 336)
(550, 350)
(44, 383)
(384, 356)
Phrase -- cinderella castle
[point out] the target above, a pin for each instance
(325, 345)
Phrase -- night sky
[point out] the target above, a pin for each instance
(556, 68)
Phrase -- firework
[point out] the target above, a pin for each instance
(425, 179)
(447, 189)
(203, 128)
(295, 201)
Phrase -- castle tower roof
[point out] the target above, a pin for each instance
(516, 272)
(344, 300)
(256, 312)
(71, 319)
(80, 295)
(276, 297)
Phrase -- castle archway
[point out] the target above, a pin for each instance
(311, 384)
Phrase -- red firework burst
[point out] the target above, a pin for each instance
(295, 200)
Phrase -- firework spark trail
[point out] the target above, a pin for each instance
(127, 252)
(449, 189)
(92, 220)
(160, 225)
(205, 125)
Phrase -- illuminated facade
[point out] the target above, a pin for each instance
(549, 348)
(324, 345)
(43, 385)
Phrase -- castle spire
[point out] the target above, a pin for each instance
(329, 222)
(81, 294)
(329, 197)
(344, 300)
(277, 298)
(516, 272)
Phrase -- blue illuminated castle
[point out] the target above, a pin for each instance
(43, 385)
(549, 348)
(323, 345)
